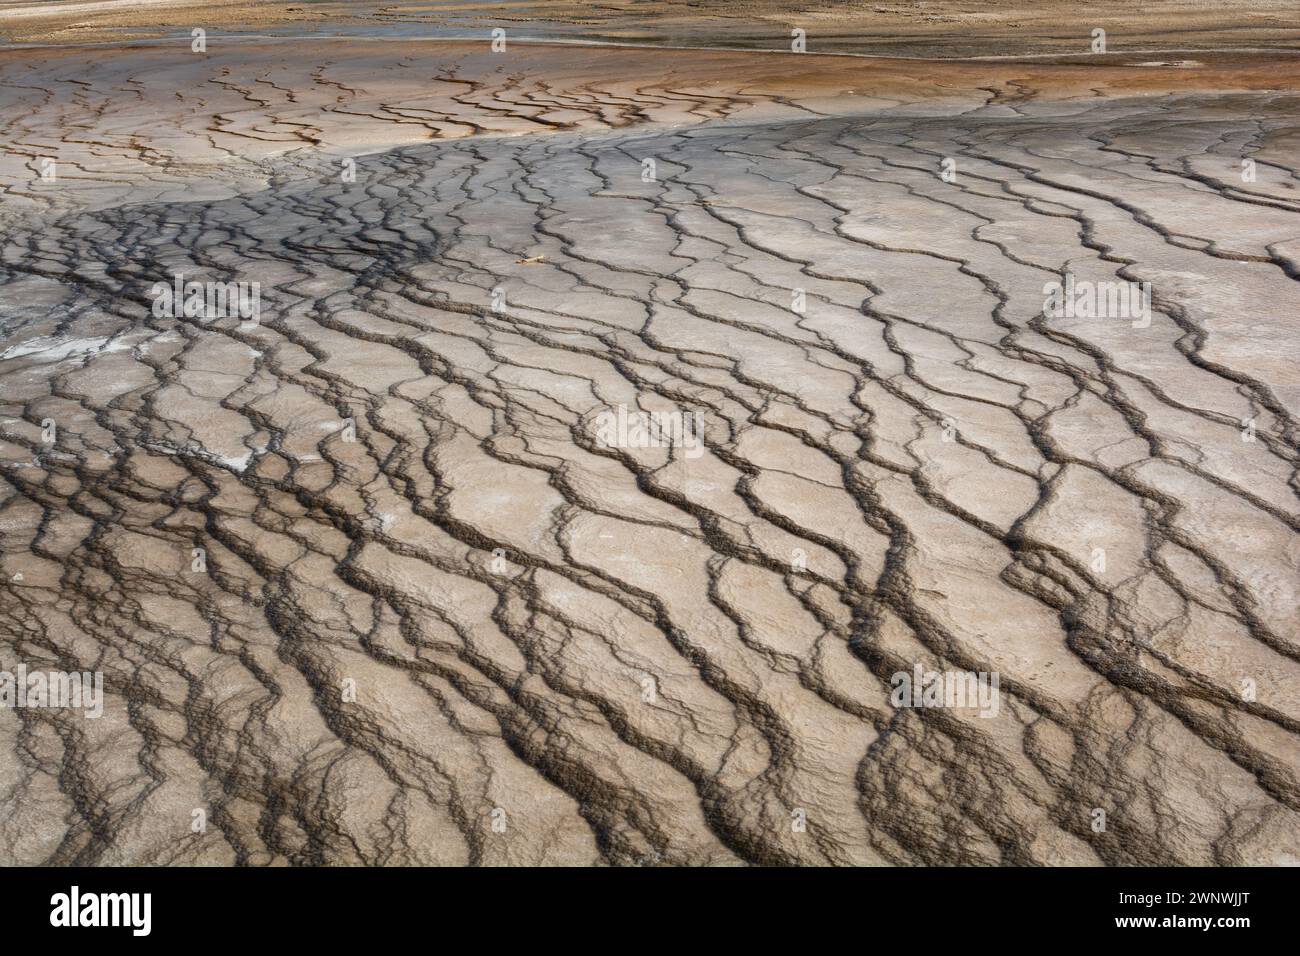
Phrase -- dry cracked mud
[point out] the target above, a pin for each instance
(368, 584)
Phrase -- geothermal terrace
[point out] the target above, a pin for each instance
(367, 582)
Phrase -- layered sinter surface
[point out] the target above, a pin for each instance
(369, 581)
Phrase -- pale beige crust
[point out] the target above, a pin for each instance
(481, 632)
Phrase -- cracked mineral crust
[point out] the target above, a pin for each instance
(617, 430)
